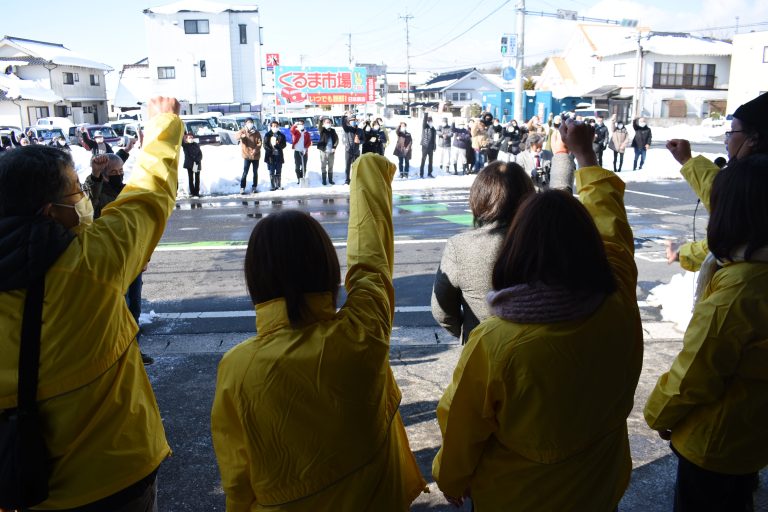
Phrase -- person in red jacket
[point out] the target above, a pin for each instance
(300, 143)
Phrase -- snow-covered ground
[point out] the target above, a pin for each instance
(222, 167)
(675, 299)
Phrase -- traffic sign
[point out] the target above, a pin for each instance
(508, 45)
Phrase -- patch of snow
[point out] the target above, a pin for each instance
(147, 318)
(676, 299)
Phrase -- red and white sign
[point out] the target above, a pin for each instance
(403, 86)
(273, 59)
(371, 89)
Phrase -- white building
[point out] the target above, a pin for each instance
(458, 89)
(207, 54)
(134, 87)
(680, 75)
(749, 68)
(42, 79)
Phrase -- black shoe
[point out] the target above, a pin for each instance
(430, 175)
(346, 182)
(146, 359)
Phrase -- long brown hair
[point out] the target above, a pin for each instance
(553, 240)
(290, 254)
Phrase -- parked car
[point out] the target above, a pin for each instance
(45, 134)
(59, 122)
(230, 124)
(592, 113)
(309, 125)
(110, 137)
(127, 129)
(204, 130)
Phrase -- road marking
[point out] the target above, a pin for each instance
(651, 195)
(241, 246)
(199, 315)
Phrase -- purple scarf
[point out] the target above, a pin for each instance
(542, 304)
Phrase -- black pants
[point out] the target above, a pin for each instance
(599, 154)
(621, 161)
(194, 182)
(404, 165)
(700, 490)
(351, 157)
(246, 165)
(493, 155)
(301, 163)
(424, 156)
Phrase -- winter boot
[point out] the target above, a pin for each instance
(325, 179)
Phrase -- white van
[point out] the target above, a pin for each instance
(58, 122)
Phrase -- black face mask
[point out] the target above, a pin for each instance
(116, 181)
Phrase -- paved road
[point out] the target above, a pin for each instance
(195, 284)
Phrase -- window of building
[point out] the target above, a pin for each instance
(165, 73)
(461, 96)
(94, 79)
(69, 78)
(195, 26)
(673, 75)
(203, 70)
(77, 76)
(41, 112)
(243, 34)
(765, 54)
(619, 69)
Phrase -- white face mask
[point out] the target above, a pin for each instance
(99, 140)
(375, 127)
(83, 209)
(327, 126)
(249, 126)
(429, 124)
(620, 126)
(300, 127)
(641, 124)
(275, 129)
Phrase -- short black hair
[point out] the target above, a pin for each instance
(249, 119)
(497, 191)
(551, 235)
(739, 203)
(31, 177)
(289, 254)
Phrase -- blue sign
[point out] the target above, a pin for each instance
(508, 73)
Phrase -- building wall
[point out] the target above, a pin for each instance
(233, 71)
(749, 68)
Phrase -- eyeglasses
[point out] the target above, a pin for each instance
(728, 134)
(81, 191)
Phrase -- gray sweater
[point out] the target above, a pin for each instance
(464, 279)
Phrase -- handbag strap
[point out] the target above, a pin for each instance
(29, 351)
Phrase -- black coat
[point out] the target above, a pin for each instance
(513, 137)
(495, 136)
(192, 155)
(428, 136)
(642, 135)
(353, 136)
(325, 135)
(274, 150)
(372, 140)
(404, 145)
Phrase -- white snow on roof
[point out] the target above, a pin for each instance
(437, 86)
(498, 81)
(57, 54)
(666, 44)
(134, 87)
(16, 88)
(201, 6)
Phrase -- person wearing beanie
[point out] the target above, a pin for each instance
(748, 135)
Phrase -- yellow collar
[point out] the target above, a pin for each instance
(273, 314)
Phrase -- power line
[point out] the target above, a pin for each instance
(728, 27)
(467, 30)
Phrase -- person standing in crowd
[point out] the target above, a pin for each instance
(274, 144)
(618, 143)
(444, 136)
(384, 137)
(97, 146)
(353, 136)
(32, 138)
(320, 430)
(463, 278)
(512, 139)
(462, 143)
(535, 417)
(641, 142)
(300, 142)
(250, 148)
(193, 163)
(102, 427)
(712, 404)
(536, 161)
(102, 187)
(329, 139)
(495, 136)
(371, 138)
(403, 150)
(601, 139)
(480, 141)
(428, 144)
(60, 142)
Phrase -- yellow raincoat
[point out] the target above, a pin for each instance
(700, 174)
(101, 421)
(535, 418)
(306, 419)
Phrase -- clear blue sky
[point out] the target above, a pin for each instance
(113, 31)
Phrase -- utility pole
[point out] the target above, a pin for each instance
(407, 18)
(636, 103)
(349, 48)
(519, 103)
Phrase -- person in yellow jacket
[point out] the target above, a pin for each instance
(535, 418)
(102, 426)
(748, 135)
(713, 402)
(305, 416)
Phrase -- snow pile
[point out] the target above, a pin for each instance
(222, 167)
(675, 299)
(704, 133)
(147, 318)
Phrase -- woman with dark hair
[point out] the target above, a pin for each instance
(713, 403)
(536, 415)
(748, 135)
(305, 416)
(463, 278)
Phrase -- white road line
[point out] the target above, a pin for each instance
(242, 247)
(651, 195)
(198, 315)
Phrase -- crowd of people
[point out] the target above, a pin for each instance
(306, 412)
